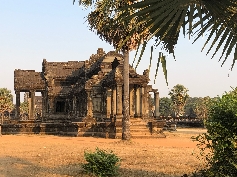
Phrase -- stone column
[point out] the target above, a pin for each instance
(32, 105)
(145, 103)
(157, 106)
(142, 112)
(114, 101)
(138, 101)
(89, 104)
(73, 106)
(51, 105)
(108, 103)
(119, 113)
(18, 102)
(43, 95)
(131, 101)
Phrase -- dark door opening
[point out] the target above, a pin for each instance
(60, 106)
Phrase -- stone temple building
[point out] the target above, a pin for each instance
(79, 90)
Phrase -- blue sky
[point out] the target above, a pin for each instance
(55, 30)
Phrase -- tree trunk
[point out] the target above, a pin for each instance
(126, 117)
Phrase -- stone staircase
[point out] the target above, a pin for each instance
(139, 129)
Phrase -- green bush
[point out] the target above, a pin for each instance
(101, 163)
(220, 141)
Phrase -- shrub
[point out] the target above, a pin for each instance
(101, 163)
(221, 137)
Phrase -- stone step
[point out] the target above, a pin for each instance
(139, 130)
(147, 136)
(119, 136)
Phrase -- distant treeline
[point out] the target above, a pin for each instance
(194, 108)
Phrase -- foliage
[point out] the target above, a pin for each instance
(102, 21)
(179, 95)
(201, 107)
(197, 107)
(165, 107)
(221, 137)
(164, 20)
(189, 106)
(5, 100)
(101, 163)
(24, 108)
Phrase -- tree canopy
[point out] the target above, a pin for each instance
(24, 109)
(179, 95)
(5, 100)
(164, 20)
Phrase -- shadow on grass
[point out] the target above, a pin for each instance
(143, 173)
(13, 166)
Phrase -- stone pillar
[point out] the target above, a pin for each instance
(119, 113)
(51, 105)
(32, 105)
(108, 103)
(73, 106)
(18, 102)
(143, 100)
(142, 112)
(145, 104)
(89, 104)
(131, 101)
(138, 101)
(157, 106)
(43, 95)
(114, 102)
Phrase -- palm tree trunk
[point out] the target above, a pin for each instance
(126, 116)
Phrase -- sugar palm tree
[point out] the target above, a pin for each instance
(164, 20)
(102, 21)
(178, 95)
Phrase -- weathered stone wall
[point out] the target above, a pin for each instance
(62, 69)
(25, 80)
(100, 129)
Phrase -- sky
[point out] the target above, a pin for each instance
(56, 30)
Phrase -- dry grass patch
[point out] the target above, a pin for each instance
(54, 156)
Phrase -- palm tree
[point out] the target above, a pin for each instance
(179, 95)
(101, 20)
(164, 19)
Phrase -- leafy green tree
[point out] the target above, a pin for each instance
(221, 137)
(5, 102)
(165, 106)
(24, 108)
(189, 107)
(201, 107)
(178, 95)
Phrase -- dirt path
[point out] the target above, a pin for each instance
(54, 156)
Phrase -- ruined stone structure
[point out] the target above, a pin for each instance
(78, 91)
(38, 104)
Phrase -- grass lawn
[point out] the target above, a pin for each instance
(55, 156)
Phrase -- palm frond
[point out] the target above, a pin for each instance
(164, 19)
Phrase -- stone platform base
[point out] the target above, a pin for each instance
(100, 129)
